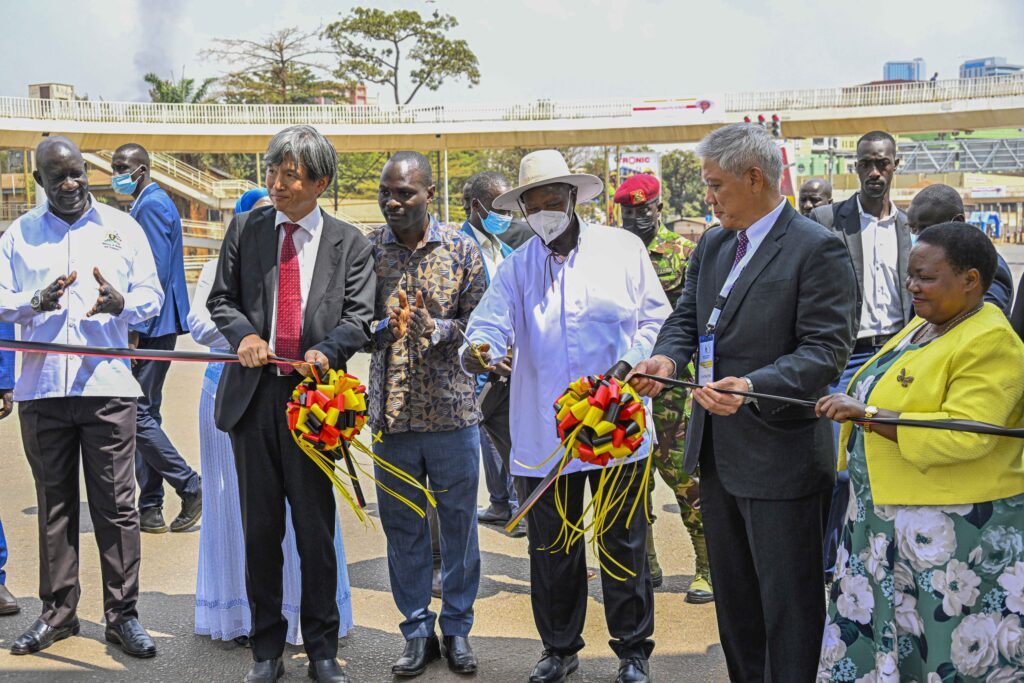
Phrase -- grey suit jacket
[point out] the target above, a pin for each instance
(339, 306)
(788, 326)
(843, 219)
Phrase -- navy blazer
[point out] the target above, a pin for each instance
(159, 218)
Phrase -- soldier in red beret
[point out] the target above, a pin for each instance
(640, 199)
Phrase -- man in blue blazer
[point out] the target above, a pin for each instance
(156, 458)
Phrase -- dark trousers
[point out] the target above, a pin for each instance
(558, 579)
(54, 432)
(156, 458)
(766, 559)
(271, 469)
(496, 447)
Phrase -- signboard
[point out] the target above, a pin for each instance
(995, 192)
(632, 163)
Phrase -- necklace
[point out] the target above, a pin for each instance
(950, 324)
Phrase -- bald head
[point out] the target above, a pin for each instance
(933, 205)
(814, 193)
(60, 170)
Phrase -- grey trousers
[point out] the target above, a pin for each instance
(57, 432)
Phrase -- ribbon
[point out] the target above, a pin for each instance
(137, 354)
(956, 425)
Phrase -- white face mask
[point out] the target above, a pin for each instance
(550, 224)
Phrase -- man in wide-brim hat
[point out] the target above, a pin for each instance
(577, 299)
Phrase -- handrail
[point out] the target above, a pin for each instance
(221, 188)
(913, 92)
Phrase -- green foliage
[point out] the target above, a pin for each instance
(682, 187)
(371, 45)
(182, 91)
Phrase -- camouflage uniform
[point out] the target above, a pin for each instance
(670, 253)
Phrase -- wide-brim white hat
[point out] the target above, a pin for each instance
(545, 167)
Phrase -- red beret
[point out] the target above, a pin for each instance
(638, 189)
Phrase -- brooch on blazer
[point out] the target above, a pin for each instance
(903, 379)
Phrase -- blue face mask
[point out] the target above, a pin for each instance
(913, 239)
(123, 183)
(495, 223)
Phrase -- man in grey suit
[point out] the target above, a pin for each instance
(296, 283)
(768, 306)
(877, 237)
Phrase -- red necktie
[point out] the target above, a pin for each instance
(287, 339)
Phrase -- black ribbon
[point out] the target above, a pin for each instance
(138, 354)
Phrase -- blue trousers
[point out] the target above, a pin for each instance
(500, 487)
(841, 492)
(448, 463)
(156, 458)
(3, 554)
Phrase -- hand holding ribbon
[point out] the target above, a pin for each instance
(477, 359)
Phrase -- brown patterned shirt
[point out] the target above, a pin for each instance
(417, 385)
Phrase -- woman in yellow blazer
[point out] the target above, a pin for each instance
(929, 582)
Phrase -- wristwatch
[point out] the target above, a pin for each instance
(435, 336)
(36, 303)
(869, 412)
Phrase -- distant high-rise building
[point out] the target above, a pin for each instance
(904, 71)
(988, 66)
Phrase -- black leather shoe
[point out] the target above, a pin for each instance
(151, 521)
(493, 515)
(553, 668)
(42, 636)
(519, 530)
(265, 672)
(132, 638)
(191, 510)
(327, 671)
(418, 653)
(459, 654)
(8, 603)
(633, 670)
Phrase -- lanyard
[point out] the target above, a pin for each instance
(730, 282)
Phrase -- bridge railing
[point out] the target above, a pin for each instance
(540, 110)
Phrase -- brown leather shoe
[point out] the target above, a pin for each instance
(8, 604)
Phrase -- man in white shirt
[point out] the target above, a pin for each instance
(53, 262)
(877, 237)
(576, 300)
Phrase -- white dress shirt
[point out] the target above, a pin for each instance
(38, 248)
(307, 244)
(200, 323)
(490, 249)
(882, 310)
(606, 304)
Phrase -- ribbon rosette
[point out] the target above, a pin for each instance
(606, 416)
(325, 415)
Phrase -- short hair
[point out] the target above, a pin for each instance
(877, 136)
(420, 161)
(305, 146)
(485, 183)
(943, 199)
(740, 147)
(133, 149)
(965, 247)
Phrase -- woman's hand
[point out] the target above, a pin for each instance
(839, 407)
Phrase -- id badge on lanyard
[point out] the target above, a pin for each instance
(706, 345)
(706, 359)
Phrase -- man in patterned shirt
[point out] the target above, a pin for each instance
(430, 277)
(640, 199)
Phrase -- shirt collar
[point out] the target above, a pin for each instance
(482, 237)
(311, 222)
(433, 232)
(152, 185)
(759, 229)
(863, 215)
(91, 214)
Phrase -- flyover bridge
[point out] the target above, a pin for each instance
(911, 107)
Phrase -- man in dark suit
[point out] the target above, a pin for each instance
(878, 240)
(769, 300)
(295, 283)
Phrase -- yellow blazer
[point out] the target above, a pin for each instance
(975, 371)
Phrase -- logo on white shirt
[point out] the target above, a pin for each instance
(112, 241)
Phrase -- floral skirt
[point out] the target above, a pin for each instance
(932, 594)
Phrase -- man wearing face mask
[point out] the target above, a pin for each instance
(486, 225)
(575, 300)
(156, 458)
(640, 199)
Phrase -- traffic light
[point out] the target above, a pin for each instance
(776, 126)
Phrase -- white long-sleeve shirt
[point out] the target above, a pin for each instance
(38, 248)
(605, 304)
(200, 324)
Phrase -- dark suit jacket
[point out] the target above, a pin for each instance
(788, 326)
(1000, 292)
(338, 311)
(843, 218)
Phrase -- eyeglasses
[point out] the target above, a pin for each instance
(882, 165)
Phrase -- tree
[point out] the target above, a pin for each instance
(682, 187)
(371, 45)
(277, 69)
(182, 91)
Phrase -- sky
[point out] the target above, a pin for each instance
(531, 49)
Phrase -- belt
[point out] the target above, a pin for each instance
(874, 342)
